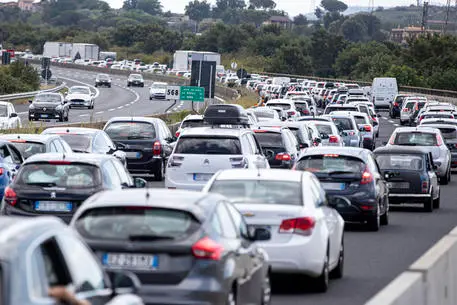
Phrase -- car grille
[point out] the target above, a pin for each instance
(45, 110)
(77, 101)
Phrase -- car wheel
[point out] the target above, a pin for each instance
(321, 283)
(231, 298)
(128, 85)
(159, 173)
(436, 202)
(337, 273)
(96, 86)
(428, 205)
(385, 218)
(67, 117)
(109, 86)
(374, 222)
(142, 85)
(445, 180)
(402, 123)
(150, 98)
(266, 290)
(62, 117)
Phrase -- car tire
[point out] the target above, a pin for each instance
(231, 297)
(374, 222)
(445, 180)
(321, 283)
(384, 220)
(67, 117)
(128, 84)
(402, 123)
(96, 86)
(62, 117)
(428, 205)
(142, 85)
(266, 290)
(109, 86)
(159, 173)
(150, 98)
(337, 273)
(436, 202)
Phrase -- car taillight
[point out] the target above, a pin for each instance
(283, 157)
(351, 133)
(239, 162)
(405, 110)
(392, 139)
(1, 171)
(175, 161)
(10, 196)
(291, 112)
(367, 128)
(177, 134)
(157, 148)
(439, 140)
(424, 186)
(305, 112)
(207, 248)
(375, 119)
(303, 226)
(367, 177)
(333, 139)
(396, 104)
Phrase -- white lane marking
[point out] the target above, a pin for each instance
(99, 112)
(219, 99)
(120, 107)
(396, 125)
(112, 109)
(83, 115)
(390, 121)
(97, 92)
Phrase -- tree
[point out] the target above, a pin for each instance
(354, 30)
(300, 20)
(319, 13)
(197, 10)
(324, 50)
(292, 60)
(152, 7)
(406, 76)
(334, 6)
(263, 4)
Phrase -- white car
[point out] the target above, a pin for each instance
(80, 96)
(288, 106)
(8, 116)
(190, 121)
(306, 230)
(157, 91)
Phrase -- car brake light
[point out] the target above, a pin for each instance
(425, 186)
(238, 162)
(367, 177)
(177, 134)
(333, 139)
(1, 171)
(207, 248)
(396, 104)
(392, 139)
(59, 162)
(351, 133)
(367, 128)
(17, 141)
(303, 226)
(290, 112)
(283, 157)
(157, 148)
(439, 140)
(305, 112)
(405, 110)
(10, 196)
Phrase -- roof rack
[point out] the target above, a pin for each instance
(226, 116)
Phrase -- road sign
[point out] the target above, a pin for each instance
(172, 93)
(234, 65)
(46, 74)
(195, 94)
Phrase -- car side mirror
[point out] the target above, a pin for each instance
(124, 282)
(338, 202)
(30, 101)
(13, 115)
(259, 234)
(139, 183)
(318, 140)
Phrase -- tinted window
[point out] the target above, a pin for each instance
(330, 163)
(78, 143)
(301, 106)
(259, 191)
(448, 133)
(279, 105)
(399, 100)
(3, 111)
(438, 115)
(415, 138)
(208, 146)
(65, 175)
(343, 123)
(360, 120)
(396, 161)
(131, 131)
(79, 90)
(192, 123)
(269, 139)
(332, 109)
(324, 129)
(28, 149)
(48, 98)
(410, 105)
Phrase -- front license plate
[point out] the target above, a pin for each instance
(398, 185)
(333, 186)
(53, 206)
(126, 260)
(133, 154)
(202, 177)
(44, 115)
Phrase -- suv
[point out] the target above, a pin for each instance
(201, 152)
(135, 80)
(279, 145)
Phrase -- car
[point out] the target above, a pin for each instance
(157, 90)
(10, 161)
(397, 105)
(347, 126)
(407, 111)
(80, 96)
(346, 107)
(135, 80)
(303, 134)
(49, 106)
(225, 143)
(288, 106)
(279, 146)
(31, 144)
(190, 121)
(266, 114)
(145, 141)
(438, 121)
(329, 134)
(185, 247)
(432, 139)
(411, 176)
(9, 118)
(307, 232)
(305, 105)
(57, 184)
(88, 140)
(366, 130)
(351, 172)
(49, 254)
(103, 80)
(434, 115)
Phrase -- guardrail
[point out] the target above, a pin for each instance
(431, 280)
(16, 96)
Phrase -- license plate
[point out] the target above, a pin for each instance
(133, 154)
(202, 177)
(53, 206)
(333, 186)
(398, 185)
(134, 261)
(44, 116)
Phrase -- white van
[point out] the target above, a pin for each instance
(384, 90)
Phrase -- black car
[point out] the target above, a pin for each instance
(88, 140)
(49, 106)
(57, 184)
(146, 142)
(411, 176)
(185, 247)
(351, 172)
(31, 144)
(47, 253)
(103, 80)
(397, 105)
(279, 146)
(135, 80)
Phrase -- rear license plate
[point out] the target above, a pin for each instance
(53, 206)
(133, 154)
(44, 116)
(398, 185)
(135, 261)
(333, 186)
(202, 177)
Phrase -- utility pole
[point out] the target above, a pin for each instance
(448, 8)
(424, 17)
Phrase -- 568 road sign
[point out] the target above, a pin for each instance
(173, 92)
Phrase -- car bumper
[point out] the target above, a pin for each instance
(362, 206)
(408, 198)
(135, 167)
(103, 84)
(188, 185)
(137, 84)
(44, 116)
(80, 104)
(12, 211)
(368, 143)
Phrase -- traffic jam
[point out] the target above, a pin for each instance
(248, 194)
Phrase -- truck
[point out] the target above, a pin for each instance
(182, 60)
(54, 49)
(85, 50)
(105, 55)
(383, 91)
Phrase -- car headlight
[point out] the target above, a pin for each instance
(32, 106)
(59, 107)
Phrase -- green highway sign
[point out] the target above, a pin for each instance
(195, 94)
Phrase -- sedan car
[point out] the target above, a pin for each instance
(135, 80)
(157, 91)
(48, 254)
(307, 232)
(353, 173)
(80, 96)
(185, 247)
(8, 116)
(49, 106)
(411, 176)
(32, 144)
(103, 80)
(57, 184)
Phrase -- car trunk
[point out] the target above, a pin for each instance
(137, 151)
(404, 181)
(272, 145)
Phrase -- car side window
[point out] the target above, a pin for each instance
(52, 147)
(238, 219)
(247, 148)
(66, 147)
(100, 145)
(373, 167)
(110, 175)
(254, 144)
(317, 192)
(228, 228)
(59, 146)
(123, 174)
(166, 130)
(15, 154)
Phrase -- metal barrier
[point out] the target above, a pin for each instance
(16, 96)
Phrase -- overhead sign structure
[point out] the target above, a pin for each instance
(194, 94)
(173, 93)
(234, 65)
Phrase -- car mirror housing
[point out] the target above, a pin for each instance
(139, 183)
(259, 234)
(338, 202)
(124, 282)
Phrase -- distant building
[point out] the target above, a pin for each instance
(412, 32)
(24, 5)
(8, 4)
(282, 21)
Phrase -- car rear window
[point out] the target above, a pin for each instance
(399, 100)
(438, 116)
(28, 149)
(208, 146)
(75, 175)
(415, 138)
(131, 131)
(332, 109)
(136, 223)
(331, 164)
(78, 142)
(259, 191)
(448, 133)
(324, 129)
(301, 106)
(269, 139)
(410, 105)
(400, 161)
(279, 105)
(192, 123)
(360, 120)
(343, 123)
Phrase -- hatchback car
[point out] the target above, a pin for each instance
(135, 80)
(80, 96)
(48, 254)
(348, 128)
(185, 247)
(57, 184)
(306, 230)
(397, 105)
(303, 134)
(31, 144)
(434, 115)
(49, 106)
(353, 173)
(449, 133)
(9, 118)
(411, 176)
(330, 136)
(190, 121)
(158, 90)
(145, 141)
(366, 130)
(103, 80)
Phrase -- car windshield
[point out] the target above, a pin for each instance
(259, 191)
(269, 139)
(301, 106)
(208, 146)
(136, 223)
(192, 123)
(59, 175)
(79, 90)
(48, 98)
(137, 77)
(410, 105)
(3, 111)
(343, 123)
(400, 161)
(415, 138)
(332, 109)
(265, 114)
(438, 115)
(28, 149)
(78, 142)
(324, 129)
(103, 76)
(279, 105)
(131, 130)
(331, 163)
(159, 86)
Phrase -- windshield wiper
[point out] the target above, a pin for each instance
(49, 184)
(149, 237)
(408, 144)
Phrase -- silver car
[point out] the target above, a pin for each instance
(407, 112)
(347, 127)
(329, 133)
(432, 139)
(366, 130)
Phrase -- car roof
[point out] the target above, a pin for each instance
(94, 159)
(439, 120)
(29, 137)
(193, 117)
(4, 103)
(344, 151)
(280, 101)
(133, 119)
(345, 114)
(78, 86)
(261, 174)
(214, 131)
(71, 130)
(438, 125)
(400, 149)
(417, 128)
